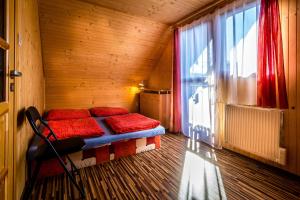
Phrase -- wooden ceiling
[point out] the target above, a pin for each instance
(95, 56)
(164, 11)
(96, 51)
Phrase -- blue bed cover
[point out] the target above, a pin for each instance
(108, 137)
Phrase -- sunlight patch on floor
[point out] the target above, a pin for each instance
(201, 179)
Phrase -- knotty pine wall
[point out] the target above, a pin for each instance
(161, 76)
(29, 87)
(94, 56)
(290, 18)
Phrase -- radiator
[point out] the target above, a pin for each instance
(256, 131)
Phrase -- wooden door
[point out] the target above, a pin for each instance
(6, 98)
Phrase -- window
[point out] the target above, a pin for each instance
(197, 79)
(241, 42)
(239, 45)
(218, 55)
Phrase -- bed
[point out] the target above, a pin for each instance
(108, 147)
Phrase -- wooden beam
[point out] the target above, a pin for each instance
(3, 44)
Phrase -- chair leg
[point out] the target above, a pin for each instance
(73, 167)
(32, 180)
(71, 177)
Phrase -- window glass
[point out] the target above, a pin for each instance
(196, 54)
(233, 34)
(241, 42)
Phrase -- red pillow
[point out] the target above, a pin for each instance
(107, 111)
(130, 123)
(84, 128)
(61, 114)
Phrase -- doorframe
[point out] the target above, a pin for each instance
(10, 9)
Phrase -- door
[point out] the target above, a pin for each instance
(6, 98)
(197, 82)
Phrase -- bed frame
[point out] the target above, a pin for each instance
(105, 153)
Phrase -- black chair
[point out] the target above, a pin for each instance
(51, 149)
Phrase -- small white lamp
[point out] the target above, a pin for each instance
(141, 85)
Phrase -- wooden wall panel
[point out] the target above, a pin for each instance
(29, 87)
(161, 76)
(94, 56)
(297, 131)
(290, 24)
(165, 11)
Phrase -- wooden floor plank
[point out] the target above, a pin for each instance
(174, 170)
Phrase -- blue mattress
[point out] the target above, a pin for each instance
(107, 138)
(109, 135)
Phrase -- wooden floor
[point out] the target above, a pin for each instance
(180, 169)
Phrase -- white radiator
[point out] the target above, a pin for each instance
(256, 131)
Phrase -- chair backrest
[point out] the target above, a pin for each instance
(33, 117)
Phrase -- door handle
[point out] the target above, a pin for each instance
(15, 73)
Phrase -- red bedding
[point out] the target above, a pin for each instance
(130, 123)
(107, 111)
(85, 128)
(62, 114)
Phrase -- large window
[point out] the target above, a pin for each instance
(239, 45)
(241, 41)
(197, 79)
(222, 46)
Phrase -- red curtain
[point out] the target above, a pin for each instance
(271, 86)
(176, 84)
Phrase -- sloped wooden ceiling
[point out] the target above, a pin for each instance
(164, 11)
(96, 56)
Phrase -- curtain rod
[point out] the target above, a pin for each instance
(208, 8)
